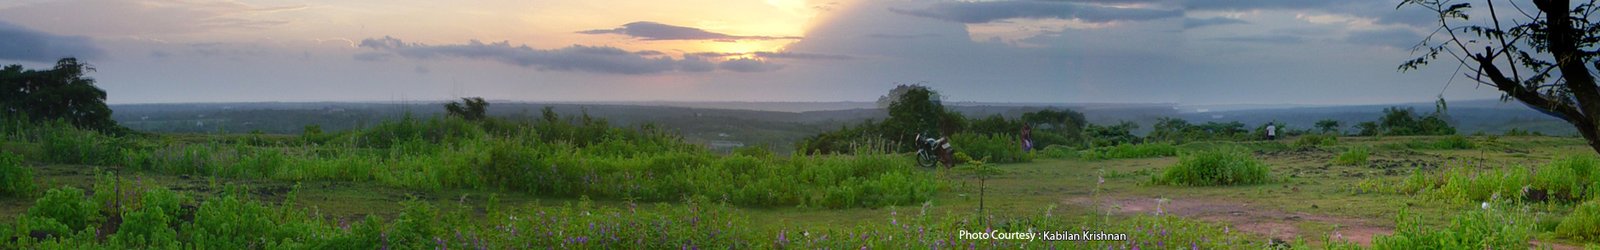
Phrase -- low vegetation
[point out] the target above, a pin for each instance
(1220, 167)
(1354, 156)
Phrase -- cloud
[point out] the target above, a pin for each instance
(1257, 4)
(144, 18)
(748, 65)
(901, 36)
(1190, 23)
(645, 30)
(1392, 37)
(800, 55)
(1268, 39)
(579, 58)
(372, 56)
(984, 12)
(774, 55)
(21, 43)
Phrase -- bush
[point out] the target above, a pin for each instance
(1476, 229)
(67, 206)
(1215, 168)
(998, 148)
(1354, 156)
(15, 179)
(1560, 180)
(1446, 143)
(1131, 151)
(1315, 140)
(1583, 224)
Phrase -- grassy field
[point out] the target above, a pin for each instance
(1350, 193)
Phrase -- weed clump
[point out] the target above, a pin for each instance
(1477, 229)
(1131, 151)
(1316, 140)
(1582, 224)
(15, 179)
(1215, 168)
(1353, 157)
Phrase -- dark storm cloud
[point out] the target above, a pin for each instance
(1394, 37)
(748, 65)
(984, 12)
(1190, 23)
(20, 43)
(658, 31)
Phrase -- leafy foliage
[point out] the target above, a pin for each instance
(475, 108)
(15, 179)
(1220, 167)
(998, 148)
(1355, 156)
(58, 93)
(1476, 229)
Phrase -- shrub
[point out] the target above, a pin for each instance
(15, 179)
(1582, 224)
(1476, 229)
(1131, 151)
(64, 144)
(1057, 152)
(998, 148)
(227, 222)
(1315, 140)
(1446, 143)
(1215, 168)
(67, 206)
(1353, 157)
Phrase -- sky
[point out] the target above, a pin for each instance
(1194, 52)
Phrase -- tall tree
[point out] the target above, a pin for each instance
(58, 93)
(915, 110)
(474, 109)
(1543, 57)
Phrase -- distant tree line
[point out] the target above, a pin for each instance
(917, 110)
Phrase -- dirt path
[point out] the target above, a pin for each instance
(1241, 216)
(1246, 217)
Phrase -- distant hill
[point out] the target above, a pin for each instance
(780, 124)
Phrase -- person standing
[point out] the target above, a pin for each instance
(1272, 131)
(1027, 138)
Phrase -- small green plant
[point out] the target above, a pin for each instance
(1354, 156)
(67, 206)
(1316, 140)
(1220, 167)
(1582, 224)
(1476, 229)
(15, 179)
(1131, 151)
(998, 148)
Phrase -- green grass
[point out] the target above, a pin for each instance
(15, 179)
(1354, 156)
(416, 185)
(1130, 151)
(1221, 167)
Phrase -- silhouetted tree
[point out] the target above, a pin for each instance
(1544, 57)
(1328, 125)
(59, 93)
(915, 110)
(474, 109)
